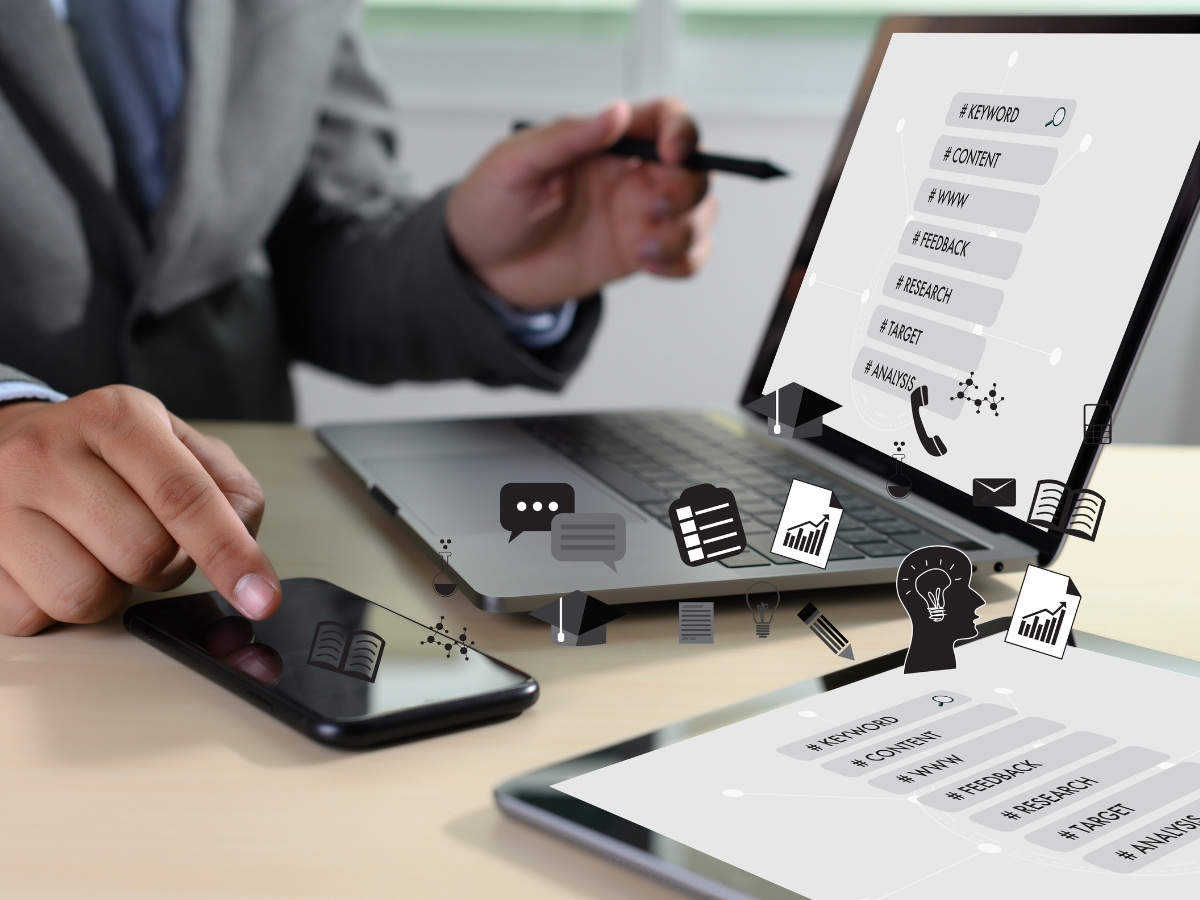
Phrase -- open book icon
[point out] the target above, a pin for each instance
(1057, 508)
(353, 653)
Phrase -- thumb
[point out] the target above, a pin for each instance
(566, 142)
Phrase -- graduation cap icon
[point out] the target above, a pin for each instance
(577, 619)
(793, 411)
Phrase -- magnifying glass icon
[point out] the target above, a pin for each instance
(942, 699)
(1057, 118)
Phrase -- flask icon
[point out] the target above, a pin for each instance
(444, 582)
(899, 485)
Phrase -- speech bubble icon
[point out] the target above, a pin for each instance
(588, 537)
(529, 506)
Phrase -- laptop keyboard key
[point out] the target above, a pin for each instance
(881, 548)
(743, 560)
(896, 526)
(843, 551)
(656, 508)
(619, 480)
(918, 539)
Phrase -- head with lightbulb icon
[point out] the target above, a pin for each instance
(934, 584)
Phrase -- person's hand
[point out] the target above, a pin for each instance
(546, 215)
(108, 490)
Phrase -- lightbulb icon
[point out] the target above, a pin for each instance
(763, 611)
(932, 585)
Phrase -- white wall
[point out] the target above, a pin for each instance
(683, 343)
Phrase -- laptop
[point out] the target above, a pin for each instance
(974, 284)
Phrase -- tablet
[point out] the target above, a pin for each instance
(1014, 774)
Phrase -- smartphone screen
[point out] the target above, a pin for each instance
(336, 655)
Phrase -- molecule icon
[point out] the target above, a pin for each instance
(452, 643)
(967, 392)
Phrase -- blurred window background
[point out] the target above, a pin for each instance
(765, 78)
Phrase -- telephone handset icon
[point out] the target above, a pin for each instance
(933, 445)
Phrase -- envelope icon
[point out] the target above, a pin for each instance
(994, 491)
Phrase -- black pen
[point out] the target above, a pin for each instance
(705, 162)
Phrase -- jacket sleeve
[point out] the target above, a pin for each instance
(367, 281)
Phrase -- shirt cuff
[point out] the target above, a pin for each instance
(27, 390)
(533, 329)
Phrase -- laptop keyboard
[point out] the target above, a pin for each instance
(651, 459)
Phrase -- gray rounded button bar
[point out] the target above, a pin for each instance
(924, 337)
(1152, 842)
(952, 296)
(911, 741)
(1045, 116)
(1117, 810)
(1000, 777)
(1050, 796)
(890, 375)
(945, 764)
(894, 718)
(1011, 210)
(960, 249)
(1026, 163)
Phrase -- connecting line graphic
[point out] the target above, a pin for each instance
(836, 287)
(821, 718)
(930, 875)
(1017, 344)
(823, 796)
(1055, 173)
(1007, 695)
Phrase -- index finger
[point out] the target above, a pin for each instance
(126, 428)
(667, 123)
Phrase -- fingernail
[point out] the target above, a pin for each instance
(650, 249)
(659, 207)
(253, 595)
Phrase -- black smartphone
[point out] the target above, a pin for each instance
(335, 666)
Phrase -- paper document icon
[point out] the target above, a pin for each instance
(793, 411)
(1045, 612)
(808, 525)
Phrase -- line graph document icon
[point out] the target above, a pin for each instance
(1045, 612)
(808, 525)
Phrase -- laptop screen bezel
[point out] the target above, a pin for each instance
(1157, 278)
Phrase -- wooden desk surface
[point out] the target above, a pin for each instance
(124, 774)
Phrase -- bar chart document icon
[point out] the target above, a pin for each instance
(1045, 612)
(808, 525)
(696, 622)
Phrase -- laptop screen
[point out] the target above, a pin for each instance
(1003, 202)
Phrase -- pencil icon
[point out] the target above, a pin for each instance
(824, 629)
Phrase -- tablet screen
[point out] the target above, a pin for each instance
(1014, 774)
(988, 240)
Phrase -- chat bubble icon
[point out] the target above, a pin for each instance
(588, 537)
(529, 506)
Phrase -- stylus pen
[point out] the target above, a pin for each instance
(705, 162)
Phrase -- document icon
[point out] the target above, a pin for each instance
(706, 525)
(994, 492)
(808, 525)
(1045, 612)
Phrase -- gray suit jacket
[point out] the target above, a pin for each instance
(286, 143)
